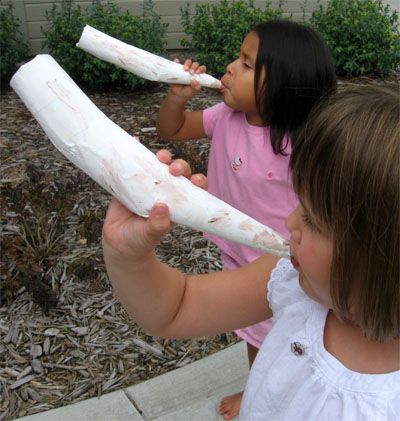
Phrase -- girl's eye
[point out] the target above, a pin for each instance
(246, 66)
(308, 221)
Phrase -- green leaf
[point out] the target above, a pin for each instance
(363, 35)
(65, 24)
(217, 30)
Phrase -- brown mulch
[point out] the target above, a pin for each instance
(63, 337)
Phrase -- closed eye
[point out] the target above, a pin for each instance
(309, 222)
(244, 58)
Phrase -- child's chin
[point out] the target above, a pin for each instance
(229, 103)
(304, 285)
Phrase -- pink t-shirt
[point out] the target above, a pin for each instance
(244, 171)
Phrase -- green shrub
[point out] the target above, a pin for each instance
(65, 27)
(217, 30)
(13, 46)
(363, 35)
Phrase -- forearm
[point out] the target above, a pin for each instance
(150, 291)
(164, 301)
(171, 116)
(169, 304)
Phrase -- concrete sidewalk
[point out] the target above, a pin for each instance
(190, 393)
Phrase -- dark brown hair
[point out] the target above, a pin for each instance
(299, 70)
(346, 167)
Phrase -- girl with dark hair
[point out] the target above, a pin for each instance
(283, 68)
(333, 351)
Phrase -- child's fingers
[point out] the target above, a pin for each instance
(201, 69)
(200, 180)
(164, 156)
(177, 167)
(187, 64)
(180, 167)
(197, 68)
(194, 67)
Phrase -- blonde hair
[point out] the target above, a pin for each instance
(346, 166)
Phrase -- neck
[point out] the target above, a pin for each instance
(254, 119)
(347, 343)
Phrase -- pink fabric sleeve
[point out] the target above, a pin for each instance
(211, 116)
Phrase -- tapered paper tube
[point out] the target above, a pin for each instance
(140, 62)
(121, 164)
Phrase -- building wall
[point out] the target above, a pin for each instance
(32, 15)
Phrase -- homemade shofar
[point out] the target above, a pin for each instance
(140, 62)
(121, 164)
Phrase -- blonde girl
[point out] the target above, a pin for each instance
(333, 352)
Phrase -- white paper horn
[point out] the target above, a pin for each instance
(140, 62)
(121, 164)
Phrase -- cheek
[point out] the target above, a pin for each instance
(316, 265)
(245, 78)
(317, 252)
(249, 94)
(307, 256)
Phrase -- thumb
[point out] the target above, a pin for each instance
(158, 224)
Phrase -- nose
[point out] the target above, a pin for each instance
(229, 68)
(293, 226)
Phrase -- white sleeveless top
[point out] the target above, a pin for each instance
(294, 378)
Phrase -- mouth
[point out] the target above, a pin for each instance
(223, 87)
(295, 262)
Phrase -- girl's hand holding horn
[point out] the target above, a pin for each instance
(126, 234)
(187, 92)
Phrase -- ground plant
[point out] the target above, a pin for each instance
(13, 45)
(363, 36)
(66, 22)
(216, 31)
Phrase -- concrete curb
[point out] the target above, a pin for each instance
(191, 393)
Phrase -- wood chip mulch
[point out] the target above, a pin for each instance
(63, 337)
